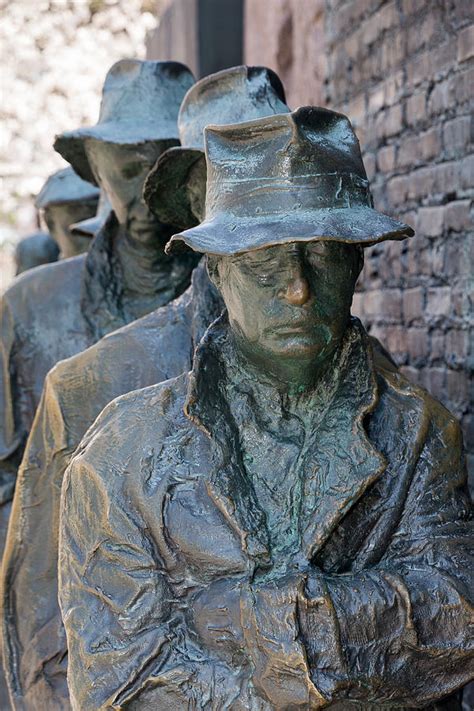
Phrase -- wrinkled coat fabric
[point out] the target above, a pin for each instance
(152, 349)
(48, 315)
(161, 518)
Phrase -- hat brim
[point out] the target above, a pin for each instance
(71, 144)
(227, 234)
(165, 190)
(87, 228)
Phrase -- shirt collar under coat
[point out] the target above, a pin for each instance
(345, 463)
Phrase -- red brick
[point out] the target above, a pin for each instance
(430, 221)
(413, 305)
(397, 190)
(389, 122)
(466, 44)
(390, 305)
(457, 215)
(376, 98)
(438, 302)
(456, 135)
(386, 159)
(431, 65)
(419, 34)
(430, 144)
(393, 87)
(463, 83)
(408, 152)
(435, 382)
(369, 162)
(458, 388)
(417, 344)
(438, 348)
(467, 173)
(457, 346)
(395, 339)
(416, 108)
(441, 97)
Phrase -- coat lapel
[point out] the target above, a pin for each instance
(345, 462)
(227, 483)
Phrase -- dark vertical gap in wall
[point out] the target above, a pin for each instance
(220, 34)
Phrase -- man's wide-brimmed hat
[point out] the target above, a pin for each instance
(90, 227)
(140, 102)
(287, 178)
(64, 187)
(238, 94)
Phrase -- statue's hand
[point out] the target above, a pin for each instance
(215, 616)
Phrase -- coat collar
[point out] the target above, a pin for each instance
(102, 282)
(345, 461)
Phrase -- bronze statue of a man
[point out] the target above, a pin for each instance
(61, 309)
(64, 198)
(154, 348)
(34, 250)
(287, 526)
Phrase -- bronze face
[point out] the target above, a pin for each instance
(289, 305)
(121, 171)
(59, 218)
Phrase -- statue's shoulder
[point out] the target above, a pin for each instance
(45, 284)
(414, 406)
(132, 423)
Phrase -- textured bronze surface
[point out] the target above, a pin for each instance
(64, 199)
(152, 349)
(34, 250)
(60, 309)
(288, 525)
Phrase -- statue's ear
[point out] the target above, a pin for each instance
(212, 263)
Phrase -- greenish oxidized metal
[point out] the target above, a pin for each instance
(287, 526)
(147, 351)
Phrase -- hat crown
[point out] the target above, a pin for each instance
(65, 186)
(144, 91)
(310, 140)
(233, 95)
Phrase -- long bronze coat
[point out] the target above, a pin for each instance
(47, 315)
(160, 523)
(152, 349)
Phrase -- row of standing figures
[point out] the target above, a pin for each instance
(217, 490)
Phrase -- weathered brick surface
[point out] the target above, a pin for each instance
(404, 73)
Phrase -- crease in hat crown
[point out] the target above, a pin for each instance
(237, 94)
(140, 102)
(63, 187)
(289, 177)
(232, 95)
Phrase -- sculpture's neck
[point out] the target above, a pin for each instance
(150, 278)
(294, 378)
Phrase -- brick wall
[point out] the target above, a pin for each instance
(403, 72)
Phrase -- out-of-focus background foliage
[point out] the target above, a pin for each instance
(53, 59)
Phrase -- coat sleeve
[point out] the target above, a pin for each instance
(34, 645)
(399, 633)
(12, 434)
(126, 634)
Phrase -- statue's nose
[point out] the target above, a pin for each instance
(297, 291)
